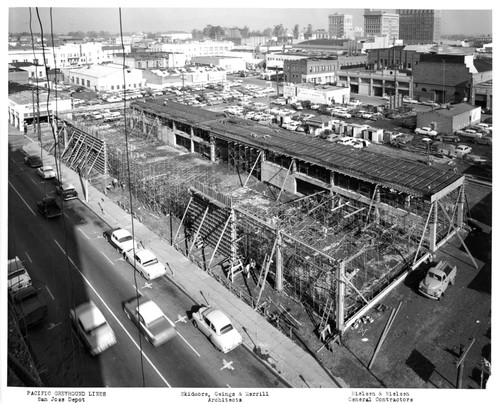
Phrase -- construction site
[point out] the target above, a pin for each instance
(268, 212)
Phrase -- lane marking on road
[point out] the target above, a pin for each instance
(34, 182)
(50, 293)
(81, 231)
(64, 213)
(52, 325)
(147, 285)
(116, 318)
(22, 198)
(188, 344)
(29, 258)
(105, 256)
(228, 386)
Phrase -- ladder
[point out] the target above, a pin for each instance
(326, 313)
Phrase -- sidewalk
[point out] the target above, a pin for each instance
(287, 359)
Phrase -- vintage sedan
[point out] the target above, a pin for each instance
(120, 239)
(218, 328)
(67, 191)
(149, 318)
(426, 131)
(92, 328)
(146, 263)
(33, 161)
(46, 172)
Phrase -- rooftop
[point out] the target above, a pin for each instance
(392, 172)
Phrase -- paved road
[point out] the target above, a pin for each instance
(71, 263)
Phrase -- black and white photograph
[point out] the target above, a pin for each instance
(248, 203)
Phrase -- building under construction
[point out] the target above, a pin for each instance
(332, 226)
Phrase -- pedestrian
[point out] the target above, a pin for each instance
(25, 128)
(115, 183)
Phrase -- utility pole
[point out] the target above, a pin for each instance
(460, 364)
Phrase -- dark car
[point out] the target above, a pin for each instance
(49, 207)
(33, 161)
(448, 138)
(67, 191)
(30, 307)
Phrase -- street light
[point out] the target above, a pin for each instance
(442, 89)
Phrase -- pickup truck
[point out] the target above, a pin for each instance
(437, 279)
(30, 307)
(49, 207)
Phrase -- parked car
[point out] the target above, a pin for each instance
(120, 239)
(426, 131)
(437, 279)
(409, 101)
(445, 137)
(46, 172)
(217, 327)
(18, 276)
(67, 191)
(150, 320)
(462, 150)
(92, 328)
(33, 161)
(346, 140)
(366, 115)
(146, 263)
(360, 143)
(483, 140)
(469, 134)
(343, 114)
(30, 307)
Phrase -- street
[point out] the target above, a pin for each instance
(71, 263)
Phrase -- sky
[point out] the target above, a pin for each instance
(153, 19)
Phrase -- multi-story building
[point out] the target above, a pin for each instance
(319, 70)
(228, 63)
(191, 49)
(451, 77)
(151, 60)
(28, 55)
(376, 83)
(419, 26)
(340, 25)
(276, 60)
(104, 77)
(381, 23)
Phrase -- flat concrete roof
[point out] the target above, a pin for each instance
(393, 172)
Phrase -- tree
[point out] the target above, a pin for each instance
(309, 29)
(278, 30)
(267, 32)
(214, 32)
(197, 34)
(245, 32)
(296, 31)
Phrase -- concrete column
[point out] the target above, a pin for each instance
(377, 204)
(191, 131)
(212, 149)
(191, 141)
(279, 263)
(407, 202)
(370, 90)
(433, 228)
(383, 87)
(339, 318)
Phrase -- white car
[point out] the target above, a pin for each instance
(343, 114)
(425, 130)
(46, 172)
(346, 140)
(360, 143)
(410, 101)
(462, 150)
(121, 239)
(18, 277)
(146, 263)
(91, 326)
(149, 318)
(218, 328)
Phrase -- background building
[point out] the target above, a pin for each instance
(380, 23)
(419, 26)
(340, 25)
